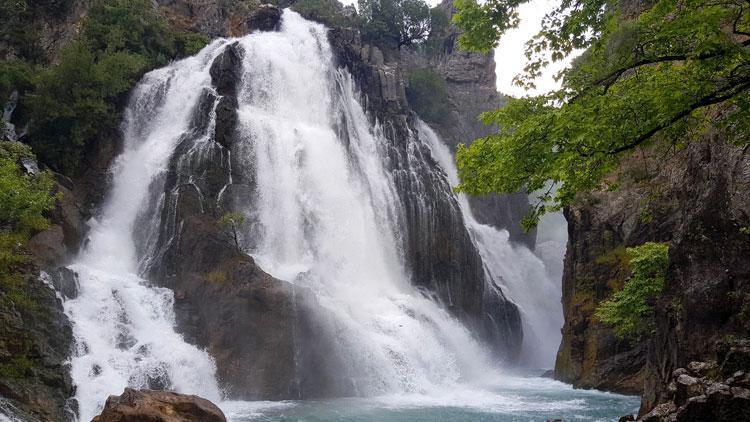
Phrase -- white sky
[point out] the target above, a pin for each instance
(509, 55)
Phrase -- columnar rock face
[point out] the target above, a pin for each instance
(158, 406)
(695, 198)
(471, 87)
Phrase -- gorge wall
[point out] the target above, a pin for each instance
(696, 199)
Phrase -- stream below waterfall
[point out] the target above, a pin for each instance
(326, 217)
(516, 398)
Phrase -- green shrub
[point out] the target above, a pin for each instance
(78, 101)
(23, 197)
(18, 366)
(428, 95)
(230, 224)
(630, 311)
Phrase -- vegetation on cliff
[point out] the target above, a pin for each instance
(630, 311)
(427, 94)
(75, 102)
(24, 198)
(645, 77)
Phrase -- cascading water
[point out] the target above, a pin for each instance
(522, 273)
(124, 328)
(326, 216)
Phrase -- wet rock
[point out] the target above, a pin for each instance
(702, 369)
(65, 281)
(158, 406)
(226, 121)
(626, 418)
(720, 405)
(265, 18)
(226, 70)
(702, 399)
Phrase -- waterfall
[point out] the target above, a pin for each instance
(524, 276)
(123, 326)
(324, 210)
(326, 216)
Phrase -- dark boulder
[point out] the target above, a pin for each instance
(65, 281)
(266, 17)
(226, 70)
(158, 406)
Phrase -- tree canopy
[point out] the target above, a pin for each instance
(650, 73)
(395, 23)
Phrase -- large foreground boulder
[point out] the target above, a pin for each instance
(158, 406)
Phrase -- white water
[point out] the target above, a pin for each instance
(524, 277)
(124, 328)
(325, 216)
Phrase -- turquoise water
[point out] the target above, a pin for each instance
(514, 399)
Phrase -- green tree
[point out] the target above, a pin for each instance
(78, 101)
(646, 78)
(439, 31)
(20, 26)
(630, 311)
(394, 23)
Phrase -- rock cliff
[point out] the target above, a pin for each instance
(695, 198)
